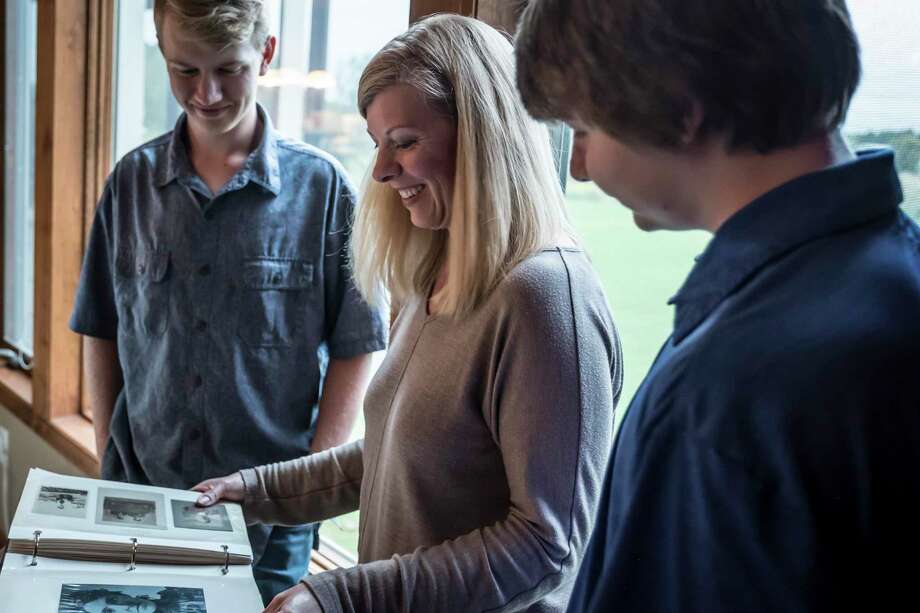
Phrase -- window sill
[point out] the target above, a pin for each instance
(71, 435)
(330, 557)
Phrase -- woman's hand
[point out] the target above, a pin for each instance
(230, 487)
(298, 599)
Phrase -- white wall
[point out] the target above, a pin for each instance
(26, 450)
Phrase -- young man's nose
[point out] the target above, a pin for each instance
(577, 164)
(208, 89)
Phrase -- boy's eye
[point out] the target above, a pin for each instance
(186, 72)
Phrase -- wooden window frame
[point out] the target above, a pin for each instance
(72, 145)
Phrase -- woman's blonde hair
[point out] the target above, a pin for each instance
(507, 202)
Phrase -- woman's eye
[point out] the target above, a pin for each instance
(406, 145)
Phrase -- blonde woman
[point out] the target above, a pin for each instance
(489, 422)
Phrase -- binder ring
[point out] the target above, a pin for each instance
(226, 568)
(35, 539)
(132, 566)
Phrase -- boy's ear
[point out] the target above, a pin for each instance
(268, 52)
(692, 122)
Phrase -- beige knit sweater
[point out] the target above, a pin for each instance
(485, 450)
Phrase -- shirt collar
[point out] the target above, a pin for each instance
(805, 209)
(261, 165)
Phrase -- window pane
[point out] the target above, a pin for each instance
(18, 174)
(639, 270)
(144, 106)
(886, 108)
(309, 92)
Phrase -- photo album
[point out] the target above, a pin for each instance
(82, 545)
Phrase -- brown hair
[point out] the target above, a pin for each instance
(766, 75)
(216, 23)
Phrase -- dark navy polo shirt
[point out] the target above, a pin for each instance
(770, 461)
(226, 307)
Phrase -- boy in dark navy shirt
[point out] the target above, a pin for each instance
(769, 461)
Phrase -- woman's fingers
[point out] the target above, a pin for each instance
(210, 496)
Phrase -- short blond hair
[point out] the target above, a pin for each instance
(507, 201)
(220, 24)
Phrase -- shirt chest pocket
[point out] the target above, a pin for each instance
(274, 303)
(143, 292)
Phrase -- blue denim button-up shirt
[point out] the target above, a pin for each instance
(769, 461)
(226, 307)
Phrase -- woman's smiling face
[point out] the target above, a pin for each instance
(416, 153)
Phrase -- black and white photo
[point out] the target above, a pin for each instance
(134, 509)
(187, 515)
(61, 501)
(96, 598)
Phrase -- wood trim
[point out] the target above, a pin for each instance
(98, 145)
(501, 14)
(72, 435)
(100, 70)
(2, 162)
(421, 8)
(60, 147)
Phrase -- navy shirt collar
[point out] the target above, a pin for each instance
(805, 209)
(261, 165)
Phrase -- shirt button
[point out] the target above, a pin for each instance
(201, 325)
(205, 270)
(197, 381)
(194, 434)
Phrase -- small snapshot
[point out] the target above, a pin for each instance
(126, 508)
(61, 501)
(95, 598)
(187, 515)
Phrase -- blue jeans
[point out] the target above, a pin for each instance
(280, 556)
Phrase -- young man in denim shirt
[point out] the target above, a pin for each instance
(769, 460)
(222, 327)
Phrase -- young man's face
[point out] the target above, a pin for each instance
(641, 178)
(215, 86)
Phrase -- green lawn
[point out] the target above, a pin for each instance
(639, 270)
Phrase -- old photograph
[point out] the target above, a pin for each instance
(187, 515)
(61, 501)
(94, 598)
(135, 509)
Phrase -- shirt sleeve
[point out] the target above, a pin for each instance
(94, 312)
(353, 327)
(549, 405)
(307, 489)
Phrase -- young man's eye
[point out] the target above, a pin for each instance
(231, 69)
(186, 72)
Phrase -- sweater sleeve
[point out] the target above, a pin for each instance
(548, 401)
(307, 489)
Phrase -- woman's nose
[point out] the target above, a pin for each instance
(385, 167)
